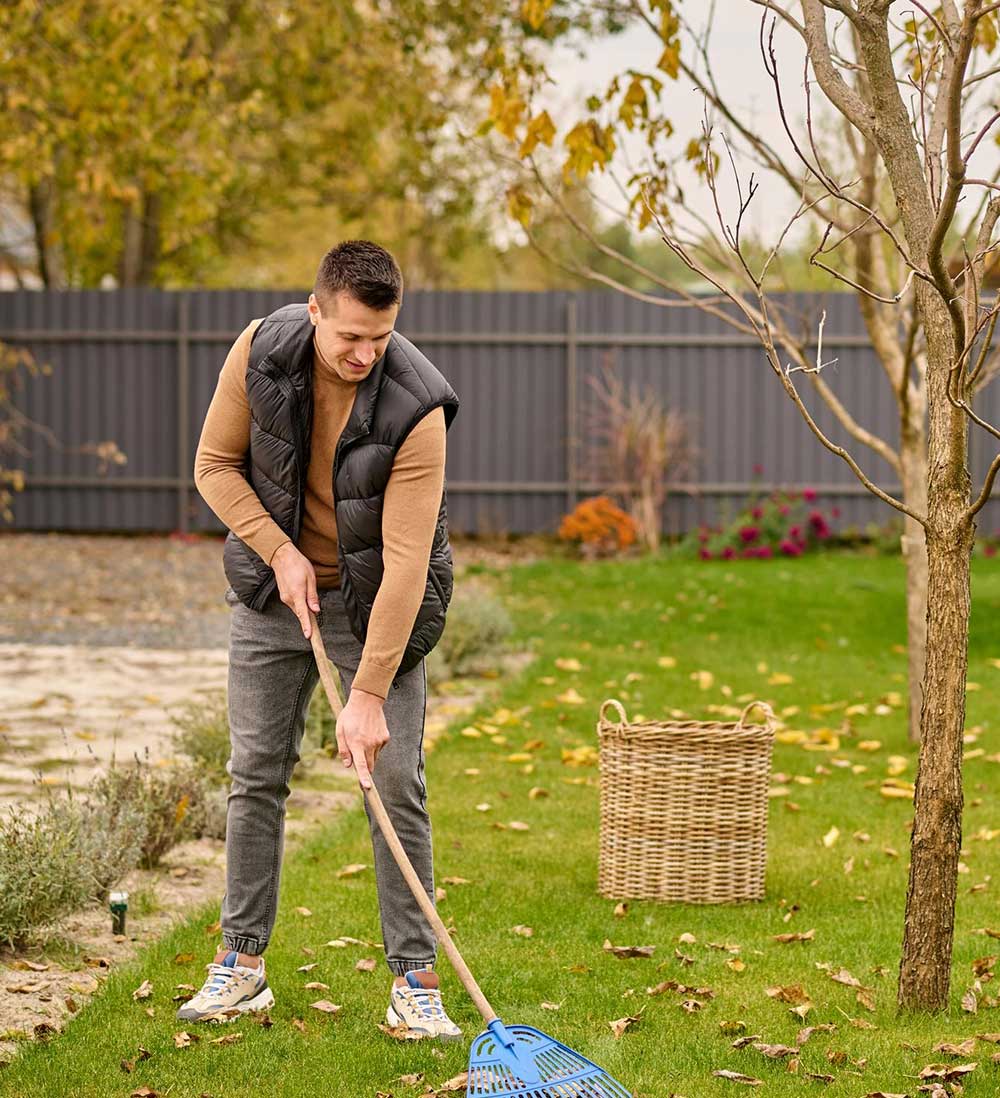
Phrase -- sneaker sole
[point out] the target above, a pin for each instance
(261, 1001)
(394, 1020)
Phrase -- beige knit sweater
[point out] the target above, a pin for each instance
(410, 507)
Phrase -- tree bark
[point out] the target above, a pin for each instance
(913, 458)
(925, 968)
(51, 269)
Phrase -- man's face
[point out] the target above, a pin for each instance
(351, 337)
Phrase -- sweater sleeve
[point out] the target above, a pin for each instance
(409, 516)
(221, 456)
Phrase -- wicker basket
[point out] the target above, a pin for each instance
(684, 807)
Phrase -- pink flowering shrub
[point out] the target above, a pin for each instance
(783, 524)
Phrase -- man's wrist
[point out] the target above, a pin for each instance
(367, 698)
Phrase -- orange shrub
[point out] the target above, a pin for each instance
(598, 527)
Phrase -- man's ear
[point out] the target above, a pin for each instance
(314, 309)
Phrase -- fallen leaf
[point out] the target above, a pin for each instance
(739, 1077)
(457, 881)
(619, 1026)
(628, 951)
(775, 1052)
(793, 993)
(948, 1072)
(519, 825)
(831, 837)
(316, 985)
(970, 1003)
(227, 1039)
(621, 910)
(963, 1048)
(183, 1039)
(800, 936)
(326, 1006)
(304, 911)
(307, 968)
(411, 1080)
(351, 870)
(366, 964)
(550, 1006)
(522, 931)
(143, 991)
(402, 1033)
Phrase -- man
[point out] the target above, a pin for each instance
(323, 451)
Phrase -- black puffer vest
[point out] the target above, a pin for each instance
(401, 389)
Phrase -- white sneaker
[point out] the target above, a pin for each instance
(420, 1009)
(230, 990)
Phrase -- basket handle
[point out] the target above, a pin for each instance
(622, 717)
(763, 705)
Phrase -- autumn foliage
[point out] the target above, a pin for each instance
(598, 527)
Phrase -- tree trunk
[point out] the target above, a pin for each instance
(925, 968)
(913, 457)
(50, 259)
(140, 241)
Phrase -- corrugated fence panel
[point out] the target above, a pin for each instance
(139, 368)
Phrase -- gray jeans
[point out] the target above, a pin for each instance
(272, 675)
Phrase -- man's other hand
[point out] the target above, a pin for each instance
(361, 734)
(296, 583)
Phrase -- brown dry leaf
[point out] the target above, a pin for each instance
(885, 1094)
(736, 964)
(97, 962)
(402, 1033)
(687, 939)
(227, 1039)
(351, 870)
(30, 966)
(628, 951)
(303, 911)
(821, 1078)
(866, 998)
(948, 1072)
(316, 985)
(961, 1049)
(842, 976)
(551, 1006)
(457, 1082)
(621, 910)
(326, 1007)
(143, 991)
(145, 1092)
(738, 1077)
(522, 931)
(991, 1038)
(568, 664)
(775, 1052)
(536, 792)
(742, 1042)
(691, 1006)
(807, 1031)
(183, 1039)
(619, 1026)
(732, 1027)
(307, 968)
(862, 1023)
(792, 993)
(366, 964)
(183, 958)
(519, 825)
(457, 881)
(970, 1003)
(800, 936)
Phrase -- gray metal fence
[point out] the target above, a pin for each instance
(140, 367)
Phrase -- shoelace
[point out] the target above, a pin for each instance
(220, 976)
(427, 1000)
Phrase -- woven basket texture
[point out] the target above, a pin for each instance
(683, 807)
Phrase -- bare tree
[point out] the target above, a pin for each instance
(908, 227)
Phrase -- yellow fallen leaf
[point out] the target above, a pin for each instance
(869, 745)
(779, 678)
(471, 732)
(896, 765)
(569, 665)
(790, 735)
(831, 837)
(704, 679)
(570, 697)
(669, 661)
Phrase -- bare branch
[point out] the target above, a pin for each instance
(987, 491)
(843, 97)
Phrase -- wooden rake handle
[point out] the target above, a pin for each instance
(389, 832)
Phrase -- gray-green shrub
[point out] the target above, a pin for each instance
(475, 632)
(203, 734)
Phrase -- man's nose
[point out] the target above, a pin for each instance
(366, 353)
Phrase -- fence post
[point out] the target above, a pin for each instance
(572, 411)
(183, 409)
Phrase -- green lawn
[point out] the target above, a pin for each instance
(829, 622)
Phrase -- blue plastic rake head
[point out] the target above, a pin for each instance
(522, 1062)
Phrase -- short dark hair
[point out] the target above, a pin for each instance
(362, 269)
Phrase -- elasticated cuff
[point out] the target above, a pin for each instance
(254, 946)
(400, 968)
